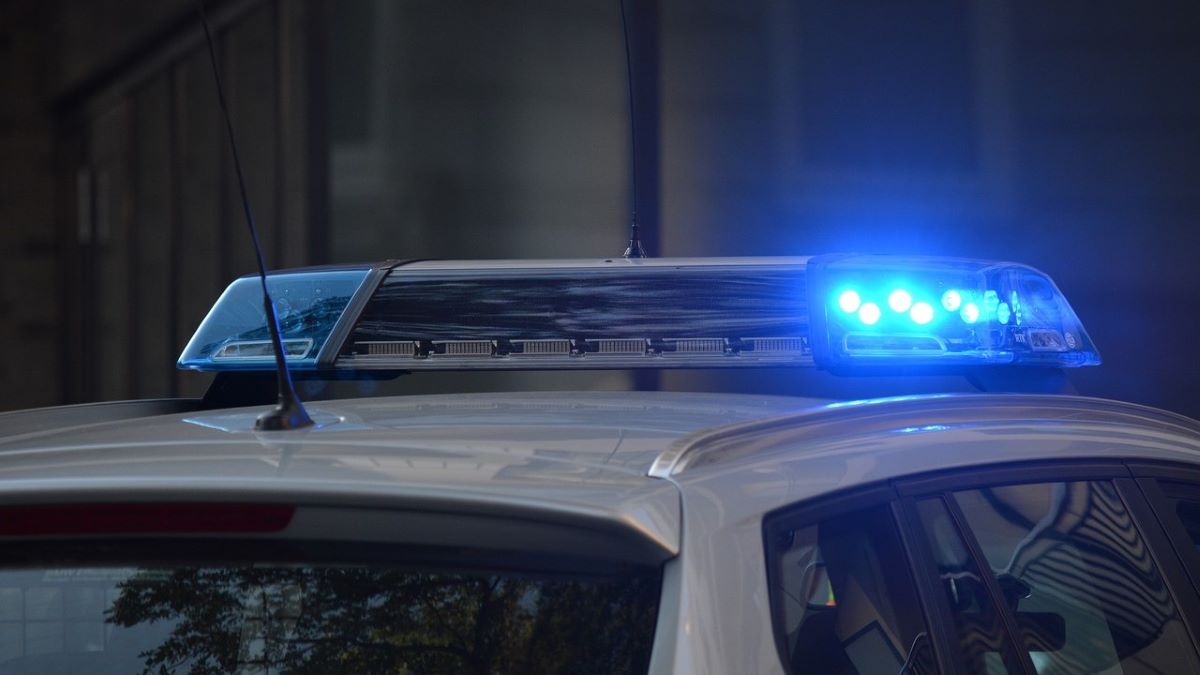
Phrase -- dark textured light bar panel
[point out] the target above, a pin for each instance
(589, 317)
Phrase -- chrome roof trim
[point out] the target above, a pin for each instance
(874, 416)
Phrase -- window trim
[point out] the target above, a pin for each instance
(1161, 545)
(1015, 473)
(938, 615)
(1169, 533)
(932, 584)
(1165, 470)
(1160, 498)
(1007, 619)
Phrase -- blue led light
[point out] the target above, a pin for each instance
(869, 313)
(849, 301)
(900, 300)
(942, 311)
(951, 300)
(922, 313)
(991, 300)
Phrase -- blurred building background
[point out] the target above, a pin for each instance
(1065, 135)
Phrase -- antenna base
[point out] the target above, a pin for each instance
(284, 417)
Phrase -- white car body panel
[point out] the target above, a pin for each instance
(719, 463)
(565, 457)
(725, 619)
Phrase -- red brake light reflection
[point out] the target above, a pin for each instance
(138, 518)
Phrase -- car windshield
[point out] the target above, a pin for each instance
(267, 618)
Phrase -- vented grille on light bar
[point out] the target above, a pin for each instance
(396, 348)
(463, 348)
(541, 347)
(697, 346)
(763, 345)
(618, 346)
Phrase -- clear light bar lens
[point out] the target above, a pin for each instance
(234, 334)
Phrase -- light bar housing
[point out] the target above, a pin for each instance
(648, 313)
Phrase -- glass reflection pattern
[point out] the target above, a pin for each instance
(1071, 551)
(322, 619)
(982, 645)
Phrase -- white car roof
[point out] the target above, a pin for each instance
(577, 455)
(572, 454)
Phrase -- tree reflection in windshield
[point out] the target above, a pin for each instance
(364, 619)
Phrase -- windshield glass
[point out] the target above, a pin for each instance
(328, 618)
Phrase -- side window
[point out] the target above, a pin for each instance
(982, 642)
(843, 597)
(1078, 579)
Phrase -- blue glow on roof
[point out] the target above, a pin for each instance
(234, 335)
(944, 312)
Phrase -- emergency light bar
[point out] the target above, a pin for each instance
(833, 312)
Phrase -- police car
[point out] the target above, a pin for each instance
(1015, 529)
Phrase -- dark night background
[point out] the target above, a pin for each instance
(1064, 135)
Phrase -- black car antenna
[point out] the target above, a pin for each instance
(634, 250)
(289, 412)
